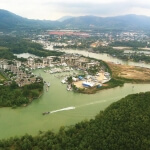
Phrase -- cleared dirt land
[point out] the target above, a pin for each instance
(122, 48)
(137, 74)
(147, 49)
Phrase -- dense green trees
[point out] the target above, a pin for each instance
(121, 55)
(6, 54)
(12, 96)
(108, 50)
(123, 125)
(134, 44)
(16, 45)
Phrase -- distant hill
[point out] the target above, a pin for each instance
(64, 18)
(129, 22)
(11, 21)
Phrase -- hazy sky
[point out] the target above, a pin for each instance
(54, 9)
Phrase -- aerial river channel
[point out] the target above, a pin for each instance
(67, 108)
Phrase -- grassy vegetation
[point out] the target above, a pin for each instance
(125, 80)
(124, 125)
(136, 57)
(3, 48)
(113, 83)
(2, 77)
(133, 44)
(130, 74)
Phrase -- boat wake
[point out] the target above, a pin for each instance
(84, 105)
(97, 102)
(63, 109)
(92, 103)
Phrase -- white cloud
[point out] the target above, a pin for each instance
(54, 9)
(140, 11)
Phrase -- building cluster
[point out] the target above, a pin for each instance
(132, 36)
(56, 40)
(72, 60)
(98, 43)
(21, 72)
(17, 71)
(34, 63)
(68, 33)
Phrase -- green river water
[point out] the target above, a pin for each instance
(17, 122)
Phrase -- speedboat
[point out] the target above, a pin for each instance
(46, 113)
(48, 84)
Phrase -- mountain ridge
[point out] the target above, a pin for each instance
(11, 21)
(130, 21)
(64, 18)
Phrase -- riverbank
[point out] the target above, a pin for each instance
(30, 120)
(92, 90)
(121, 54)
(31, 99)
(107, 58)
(130, 113)
(120, 74)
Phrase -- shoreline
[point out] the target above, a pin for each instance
(96, 52)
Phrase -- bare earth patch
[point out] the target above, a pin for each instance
(130, 72)
(147, 49)
(78, 84)
(122, 48)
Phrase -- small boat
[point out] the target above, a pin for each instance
(46, 113)
(47, 89)
(48, 84)
(69, 88)
(63, 81)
